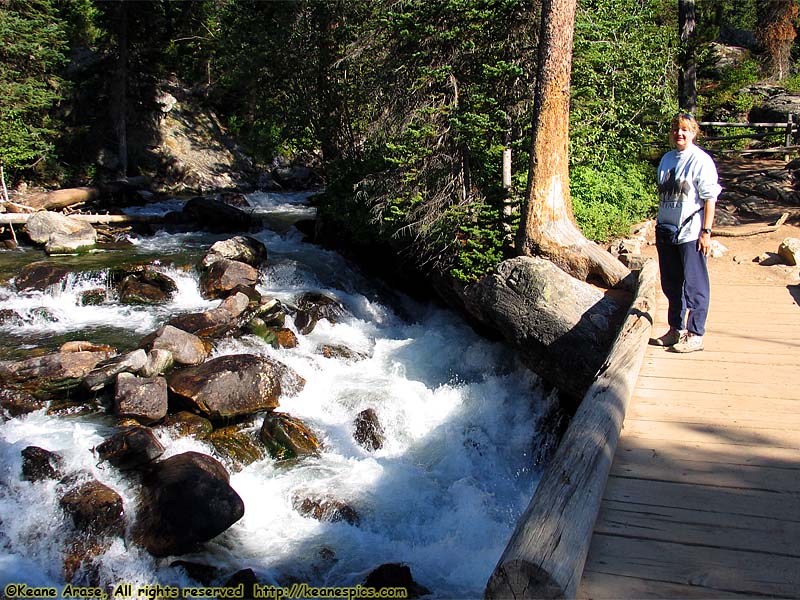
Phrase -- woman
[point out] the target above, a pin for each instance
(687, 191)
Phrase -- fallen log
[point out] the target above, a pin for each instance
(58, 199)
(547, 551)
(21, 218)
(749, 232)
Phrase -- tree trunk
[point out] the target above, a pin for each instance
(687, 75)
(119, 91)
(547, 228)
(775, 34)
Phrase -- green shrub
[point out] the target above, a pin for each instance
(607, 202)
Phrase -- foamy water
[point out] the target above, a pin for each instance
(443, 494)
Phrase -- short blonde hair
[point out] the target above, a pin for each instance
(685, 120)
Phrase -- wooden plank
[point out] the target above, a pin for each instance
(663, 465)
(597, 585)
(716, 409)
(698, 527)
(707, 565)
(677, 494)
(699, 432)
(713, 357)
(711, 401)
(774, 390)
(737, 372)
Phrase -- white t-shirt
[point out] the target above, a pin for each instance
(686, 180)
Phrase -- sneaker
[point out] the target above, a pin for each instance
(672, 337)
(690, 342)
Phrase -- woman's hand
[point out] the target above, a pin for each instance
(704, 243)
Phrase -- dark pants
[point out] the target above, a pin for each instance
(684, 280)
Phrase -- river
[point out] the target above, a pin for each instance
(460, 415)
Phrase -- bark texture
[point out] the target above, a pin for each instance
(548, 227)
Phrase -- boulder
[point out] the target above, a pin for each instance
(562, 327)
(15, 402)
(186, 500)
(224, 275)
(215, 322)
(313, 306)
(144, 286)
(395, 575)
(368, 430)
(130, 448)
(789, 250)
(776, 108)
(341, 352)
(106, 371)
(215, 215)
(57, 372)
(159, 361)
(229, 386)
(40, 276)
(241, 248)
(186, 348)
(58, 231)
(185, 423)
(39, 464)
(327, 509)
(240, 445)
(141, 398)
(287, 437)
(95, 508)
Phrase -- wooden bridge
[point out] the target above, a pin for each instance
(699, 494)
(703, 498)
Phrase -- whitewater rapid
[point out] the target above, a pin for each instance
(460, 414)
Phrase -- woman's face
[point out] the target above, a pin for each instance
(682, 135)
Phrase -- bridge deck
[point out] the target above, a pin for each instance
(703, 498)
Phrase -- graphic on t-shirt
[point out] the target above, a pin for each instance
(673, 189)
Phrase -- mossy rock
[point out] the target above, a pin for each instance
(240, 446)
(286, 437)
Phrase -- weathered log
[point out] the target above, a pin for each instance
(15, 218)
(749, 232)
(562, 327)
(57, 199)
(547, 551)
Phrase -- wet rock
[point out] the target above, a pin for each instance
(244, 580)
(16, 402)
(313, 306)
(59, 232)
(236, 199)
(215, 215)
(144, 286)
(40, 276)
(214, 322)
(106, 371)
(141, 398)
(287, 437)
(789, 250)
(186, 423)
(95, 508)
(159, 361)
(241, 248)
(186, 500)
(186, 348)
(368, 430)
(327, 510)
(130, 448)
(395, 575)
(205, 574)
(93, 297)
(341, 352)
(85, 346)
(228, 386)
(277, 337)
(39, 464)
(241, 446)
(224, 275)
(293, 177)
(58, 373)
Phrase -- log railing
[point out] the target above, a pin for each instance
(547, 551)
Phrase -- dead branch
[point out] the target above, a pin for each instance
(749, 232)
